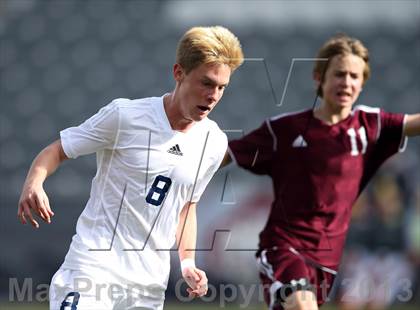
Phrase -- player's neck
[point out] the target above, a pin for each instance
(174, 115)
(331, 116)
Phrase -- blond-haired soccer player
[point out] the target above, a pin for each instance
(319, 160)
(155, 157)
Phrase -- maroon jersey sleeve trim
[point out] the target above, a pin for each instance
(232, 155)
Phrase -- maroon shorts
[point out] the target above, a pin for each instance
(283, 272)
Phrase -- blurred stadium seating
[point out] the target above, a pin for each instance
(60, 61)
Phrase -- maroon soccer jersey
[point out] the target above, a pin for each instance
(318, 171)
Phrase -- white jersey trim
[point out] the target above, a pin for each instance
(376, 110)
(274, 118)
(404, 139)
(368, 109)
(270, 129)
(266, 268)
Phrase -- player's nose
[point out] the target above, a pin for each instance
(212, 95)
(346, 80)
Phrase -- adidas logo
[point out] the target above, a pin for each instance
(175, 150)
(299, 142)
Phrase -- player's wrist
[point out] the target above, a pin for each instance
(187, 263)
(35, 180)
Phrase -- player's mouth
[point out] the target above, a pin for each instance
(344, 95)
(203, 108)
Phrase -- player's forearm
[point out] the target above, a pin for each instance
(187, 232)
(412, 125)
(45, 163)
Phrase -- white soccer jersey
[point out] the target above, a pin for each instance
(146, 172)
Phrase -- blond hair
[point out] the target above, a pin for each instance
(341, 44)
(209, 45)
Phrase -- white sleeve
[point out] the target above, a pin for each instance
(221, 146)
(96, 133)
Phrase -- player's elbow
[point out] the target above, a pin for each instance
(412, 125)
(56, 150)
(226, 160)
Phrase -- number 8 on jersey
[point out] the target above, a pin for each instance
(158, 190)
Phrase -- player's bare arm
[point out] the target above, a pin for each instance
(412, 125)
(33, 197)
(186, 237)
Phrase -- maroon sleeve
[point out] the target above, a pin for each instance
(391, 138)
(254, 151)
(390, 141)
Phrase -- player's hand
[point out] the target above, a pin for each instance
(196, 280)
(34, 199)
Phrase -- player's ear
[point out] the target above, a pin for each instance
(317, 79)
(178, 72)
(318, 82)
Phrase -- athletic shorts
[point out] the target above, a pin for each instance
(96, 289)
(283, 272)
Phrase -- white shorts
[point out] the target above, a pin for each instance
(96, 289)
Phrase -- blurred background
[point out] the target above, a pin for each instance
(60, 61)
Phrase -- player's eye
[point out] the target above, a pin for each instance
(207, 83)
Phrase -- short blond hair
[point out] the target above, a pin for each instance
(340, 44)
(209, 45)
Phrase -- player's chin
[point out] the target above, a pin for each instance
(200, 116)
(345, 101)
(344, 104)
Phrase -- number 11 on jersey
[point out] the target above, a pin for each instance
(353, 141)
